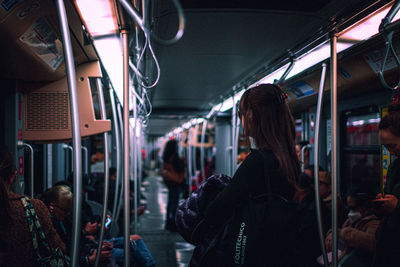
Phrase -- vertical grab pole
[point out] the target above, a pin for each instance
(334, 147)
(117, 142)
(202, 156)
(194, 150)
(135, 167)
(189, 161)
(106, 171)
(126, 147)
(76, 138)
(21, 144)
(234, 150)
(121, 195)
(86, 169)
(316, 165)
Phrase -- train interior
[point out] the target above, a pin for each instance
(185, 88)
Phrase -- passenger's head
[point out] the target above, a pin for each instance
(324, 184)
(389, 130)
(7, 176)
(266, 117)
(171, 148)
(359, 201)
(59, 201)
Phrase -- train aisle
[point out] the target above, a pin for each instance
(168, 249)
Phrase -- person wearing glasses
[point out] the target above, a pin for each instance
(387, 203)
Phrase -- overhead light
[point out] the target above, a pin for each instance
(187, 125)
(270, 78)
(110, 52)
(98, 16)
(367, 27)
(315, 56)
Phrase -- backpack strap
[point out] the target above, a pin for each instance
(34, 227)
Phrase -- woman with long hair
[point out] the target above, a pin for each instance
(171, 158)
(15, 235)
(269, 125)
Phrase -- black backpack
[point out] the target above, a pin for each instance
(263, 231)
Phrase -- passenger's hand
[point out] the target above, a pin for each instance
(134, 237)
(107, 245)
(328, 242)
(104, 255)
(387, 203)
(91, 227)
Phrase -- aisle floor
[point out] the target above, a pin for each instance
(168, 248)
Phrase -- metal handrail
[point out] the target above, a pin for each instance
(22, 144)
(189, 161)
(316, 166)
(106, 171)
(194, 150)
(203, 134)
(234, 144)
(286, 73)
(141, 23)
(302, 155)
(86, 170)
(67, 147)
(125, 38)
(117, 143)
(121, 195)
(135, 176)
(333, 84)
(386, 29)
(76, 138)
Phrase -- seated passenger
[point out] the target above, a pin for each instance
(358, 231)
(16, 238)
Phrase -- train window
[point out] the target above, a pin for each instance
(95, 97)
(360, 148)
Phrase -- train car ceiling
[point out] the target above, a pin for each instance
(225, 42)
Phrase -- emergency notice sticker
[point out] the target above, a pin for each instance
(44, 42)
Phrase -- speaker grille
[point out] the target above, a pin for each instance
(47, 111)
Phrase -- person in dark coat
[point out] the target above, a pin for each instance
(16, 238)
(269, 124)
(190, 221)
(388, 234)
(171, 156)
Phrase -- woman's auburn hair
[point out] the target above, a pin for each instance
(267, 119)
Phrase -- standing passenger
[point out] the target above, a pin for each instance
(170, 156)
(269, 124)
(15, 235)
(388, 234)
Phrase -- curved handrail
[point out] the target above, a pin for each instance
(106, 172)
(386, 30)
(316, 165)
(121, 195)
(117, 143)
(138, 19)
(22, 144)
(286, 73)
(234, 144)
(76, 137)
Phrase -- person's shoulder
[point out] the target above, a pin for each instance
(38, 204)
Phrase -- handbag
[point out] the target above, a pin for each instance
(46, 256)
(169, 174)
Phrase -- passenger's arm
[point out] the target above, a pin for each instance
(361, 240)
(43, 214)
(222, 207)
